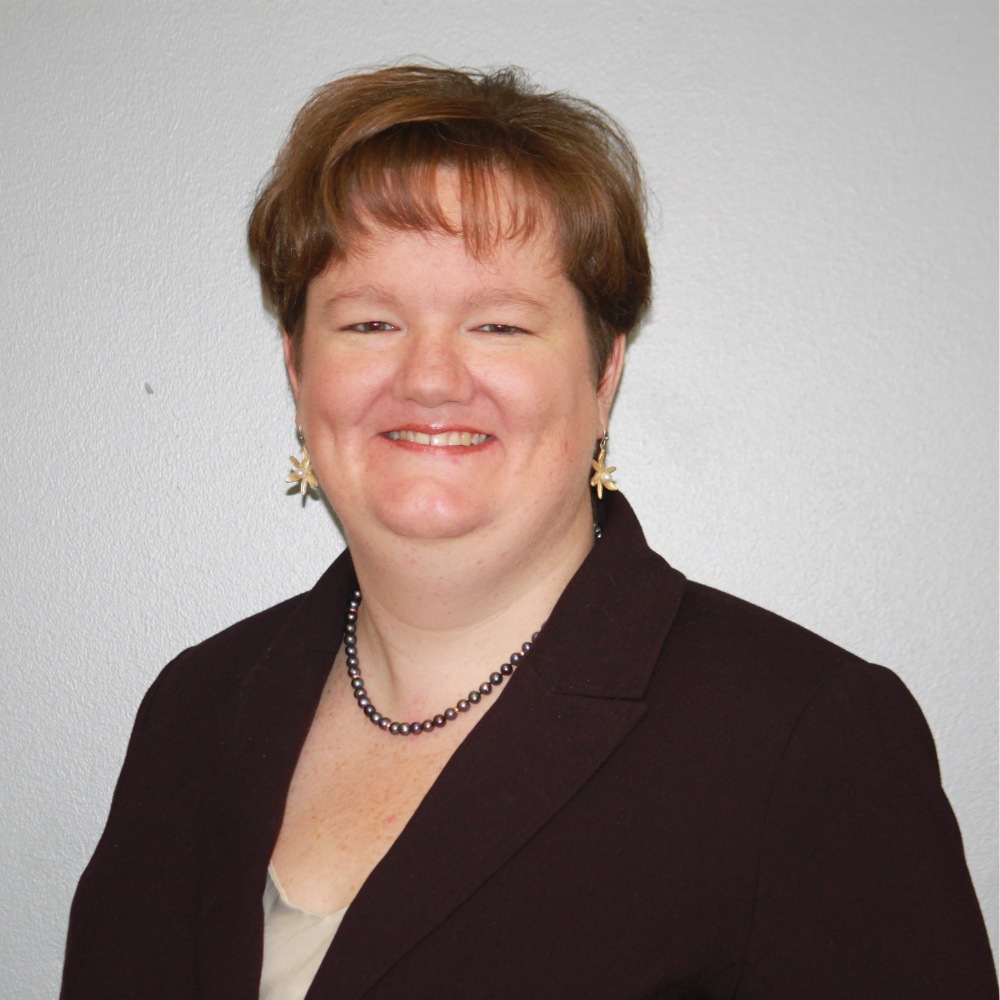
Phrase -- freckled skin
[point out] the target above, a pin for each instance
(353, 791)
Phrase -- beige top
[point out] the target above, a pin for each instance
(295, 942)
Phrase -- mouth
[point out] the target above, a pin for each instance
(440, 439)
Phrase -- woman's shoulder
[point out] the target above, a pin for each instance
(731, 663)
(224, 657)
(754, 663)
(264, 648)
(735, 634)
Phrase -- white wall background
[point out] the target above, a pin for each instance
(808, 419)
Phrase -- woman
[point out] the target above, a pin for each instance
(662, 791)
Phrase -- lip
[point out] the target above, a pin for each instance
(453, 438)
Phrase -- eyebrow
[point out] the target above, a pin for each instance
(487, 297)
(361, 293)
(506, 297)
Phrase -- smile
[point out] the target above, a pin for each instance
(447, 439)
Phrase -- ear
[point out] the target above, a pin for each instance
(291, 364)
(612, 375)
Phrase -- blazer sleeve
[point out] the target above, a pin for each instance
(862, 885)
(127, 893)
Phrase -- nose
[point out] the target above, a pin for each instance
(434, 368)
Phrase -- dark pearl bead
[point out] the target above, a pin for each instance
(394, 728)
(525, 648)
(439, 721)
(375, 717)
(475, 697)
(369, 708)
(403, 728)
(352, 616)
(450, 714)
(506, 669)
(534, 637)
(353, 664)
(357, 682)
(353, 671)
(383, 723)
(496, 678)
(485, 688)
(463, 706)
(351, 628)
(428, 725)
(516, 658)
(360, 692)
(365, 702)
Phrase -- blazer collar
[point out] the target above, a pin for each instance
(562, 714)
(605, 632)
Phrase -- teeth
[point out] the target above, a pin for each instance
(450, 439)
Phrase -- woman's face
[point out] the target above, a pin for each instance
(440, 395)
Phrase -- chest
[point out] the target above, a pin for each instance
(353, 791)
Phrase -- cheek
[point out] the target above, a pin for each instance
(545, 392)
(329, 392)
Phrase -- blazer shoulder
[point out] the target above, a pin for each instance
(194, 688)
(235, 647)
(750, 662)
(754, 640)
(252, 632)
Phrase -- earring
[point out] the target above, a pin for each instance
(302, 470)
(601, 479)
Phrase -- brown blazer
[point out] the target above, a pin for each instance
(678, 795)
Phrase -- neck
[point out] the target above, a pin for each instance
(438, 617)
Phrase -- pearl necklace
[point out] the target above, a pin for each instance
(449, 714)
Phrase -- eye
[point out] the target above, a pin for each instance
(370, 326)
(500, 328)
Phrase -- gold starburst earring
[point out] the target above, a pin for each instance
(302, 470)
(601, 479)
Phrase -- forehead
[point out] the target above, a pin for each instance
(439, 270)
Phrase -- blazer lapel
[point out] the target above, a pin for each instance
(563, 713)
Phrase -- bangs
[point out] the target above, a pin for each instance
(393, 181)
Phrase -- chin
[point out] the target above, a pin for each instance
(426, 511)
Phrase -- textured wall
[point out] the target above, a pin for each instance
(807, 420)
